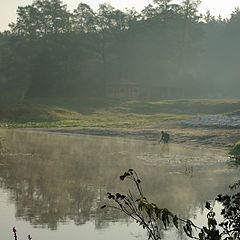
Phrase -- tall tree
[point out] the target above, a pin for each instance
(84, 19)
(42, 17)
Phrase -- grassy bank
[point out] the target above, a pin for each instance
(42, 113)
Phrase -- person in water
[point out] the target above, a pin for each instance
(164, 137)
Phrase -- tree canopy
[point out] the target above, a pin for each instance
(50, 51)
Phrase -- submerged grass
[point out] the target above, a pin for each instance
(49, 113)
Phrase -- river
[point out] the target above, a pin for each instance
(52, 185)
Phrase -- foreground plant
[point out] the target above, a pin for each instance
(146, 214)
(154, 219)
(235, 152)
(15, 234)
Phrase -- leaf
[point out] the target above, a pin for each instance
(189, 233)
(168, 212)
(123, 197)
(118, 195)
(208, 206)
(157, 212)
(175, 221)
(164, 219)
(200, 235)
(122, 177)
(141, 205)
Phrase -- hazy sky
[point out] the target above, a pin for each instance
(8, 7)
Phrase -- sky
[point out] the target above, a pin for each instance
(8, 7)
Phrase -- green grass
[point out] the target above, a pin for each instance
(46, 113)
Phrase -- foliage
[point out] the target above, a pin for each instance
(146, 214)
(231, 214)
(41, 18)
(154, 219)
(235, 152)
(50, 51)
(15, 234)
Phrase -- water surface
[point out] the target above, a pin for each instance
(52, 185)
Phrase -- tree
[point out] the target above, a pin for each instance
(208, 18)
(84, 19)
(190, 10)
(41, 18)
(15, 58)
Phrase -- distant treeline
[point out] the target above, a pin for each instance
(50, 51)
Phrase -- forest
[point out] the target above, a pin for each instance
(52, 52)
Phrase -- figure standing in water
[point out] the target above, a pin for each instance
(164, 137)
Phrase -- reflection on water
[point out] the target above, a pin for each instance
(59, 180)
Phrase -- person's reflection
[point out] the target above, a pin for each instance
(164, 150)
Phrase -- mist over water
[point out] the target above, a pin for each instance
(52, 185)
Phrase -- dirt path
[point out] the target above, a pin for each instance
(208, 137)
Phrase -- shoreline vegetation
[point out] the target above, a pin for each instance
(102, 112)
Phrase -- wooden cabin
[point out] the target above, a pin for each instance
(123, 90)
(172, 93)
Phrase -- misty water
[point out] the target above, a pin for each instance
(52, 185)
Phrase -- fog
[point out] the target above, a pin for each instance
(62, 69)
(52, 180)
(81, 52)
